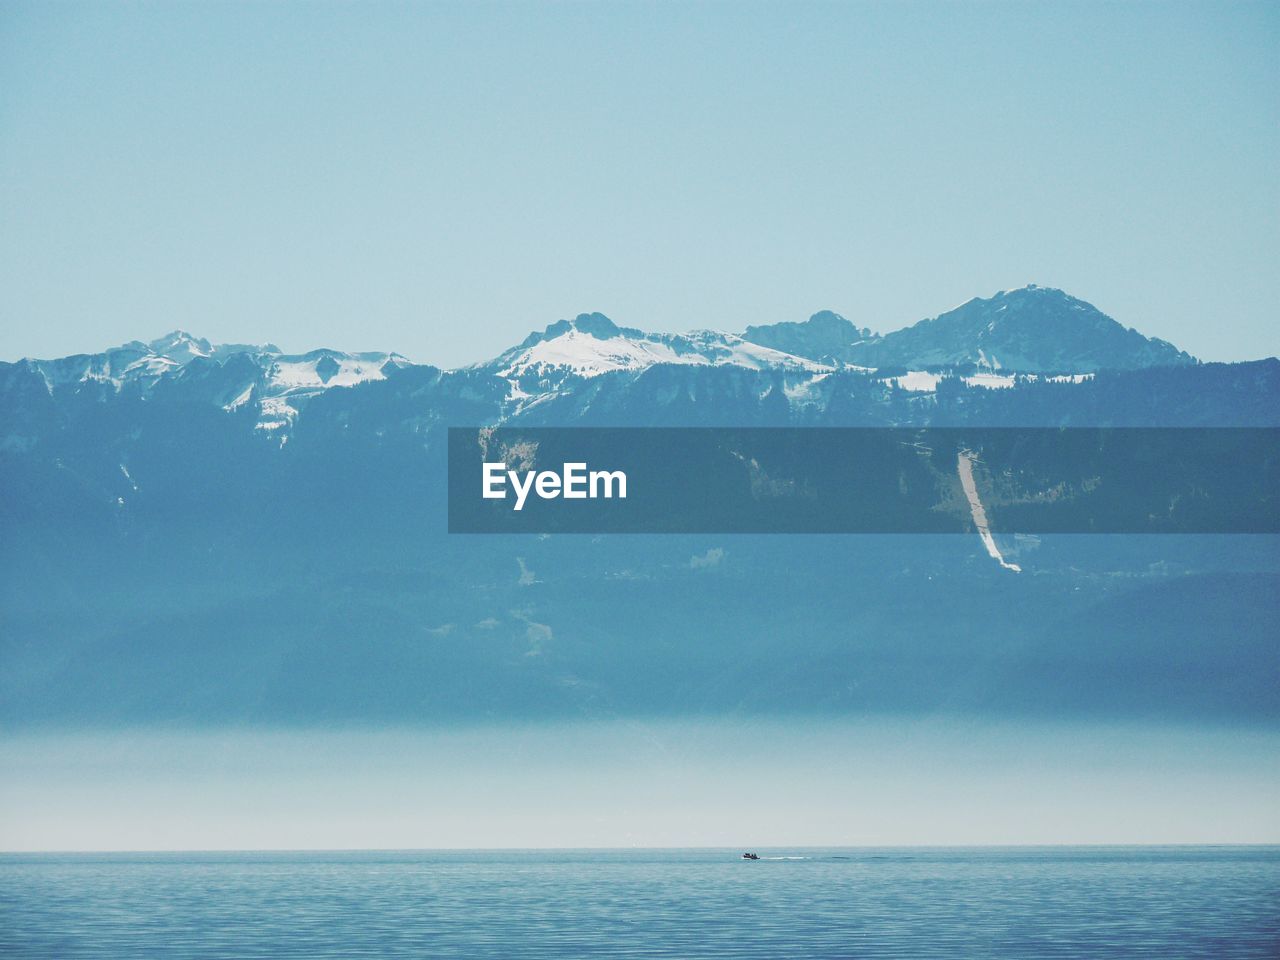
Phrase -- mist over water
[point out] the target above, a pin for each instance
(736, 783)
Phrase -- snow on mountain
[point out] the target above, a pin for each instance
(592, 344)
(321, 369)
(181, 346)
(227, 375)
(290, 380)
(132, 363)
(1016, 336)
(922, 381)
(917, 381)
(184, 347)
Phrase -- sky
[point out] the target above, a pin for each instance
(441, 179)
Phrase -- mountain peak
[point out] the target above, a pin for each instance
(825, 335)
(177, 336)
(591, 324)
(181, 346)
(591, 344)
(1032, 329)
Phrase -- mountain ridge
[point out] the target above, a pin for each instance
(579, 366)
(1031, 329)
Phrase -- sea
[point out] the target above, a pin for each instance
(1023, 902)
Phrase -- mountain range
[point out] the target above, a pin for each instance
(202, 534)
(1026, 335)
(1029, 330)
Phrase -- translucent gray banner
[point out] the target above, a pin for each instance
(863, 480)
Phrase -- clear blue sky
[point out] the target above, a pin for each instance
(441, 179)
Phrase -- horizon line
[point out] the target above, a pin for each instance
(1057, 845)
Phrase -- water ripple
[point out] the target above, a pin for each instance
(1054, 902)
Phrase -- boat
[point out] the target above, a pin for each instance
(751, 856)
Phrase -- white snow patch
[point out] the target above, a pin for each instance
(276, 413)
(297, 373)
(589, 356)
(992, 381)
(803, 390)
(152, 366)
(918, 381)
(240, 400)
(1070, 378)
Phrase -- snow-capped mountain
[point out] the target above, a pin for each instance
(590, 370)
(1029, 330)
(228, 375)
(592, 344)
(131, 363)
(290, 380)
(182, 347)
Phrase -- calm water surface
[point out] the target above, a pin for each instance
(1219, 902)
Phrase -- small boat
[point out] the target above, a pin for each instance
(751, 856)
